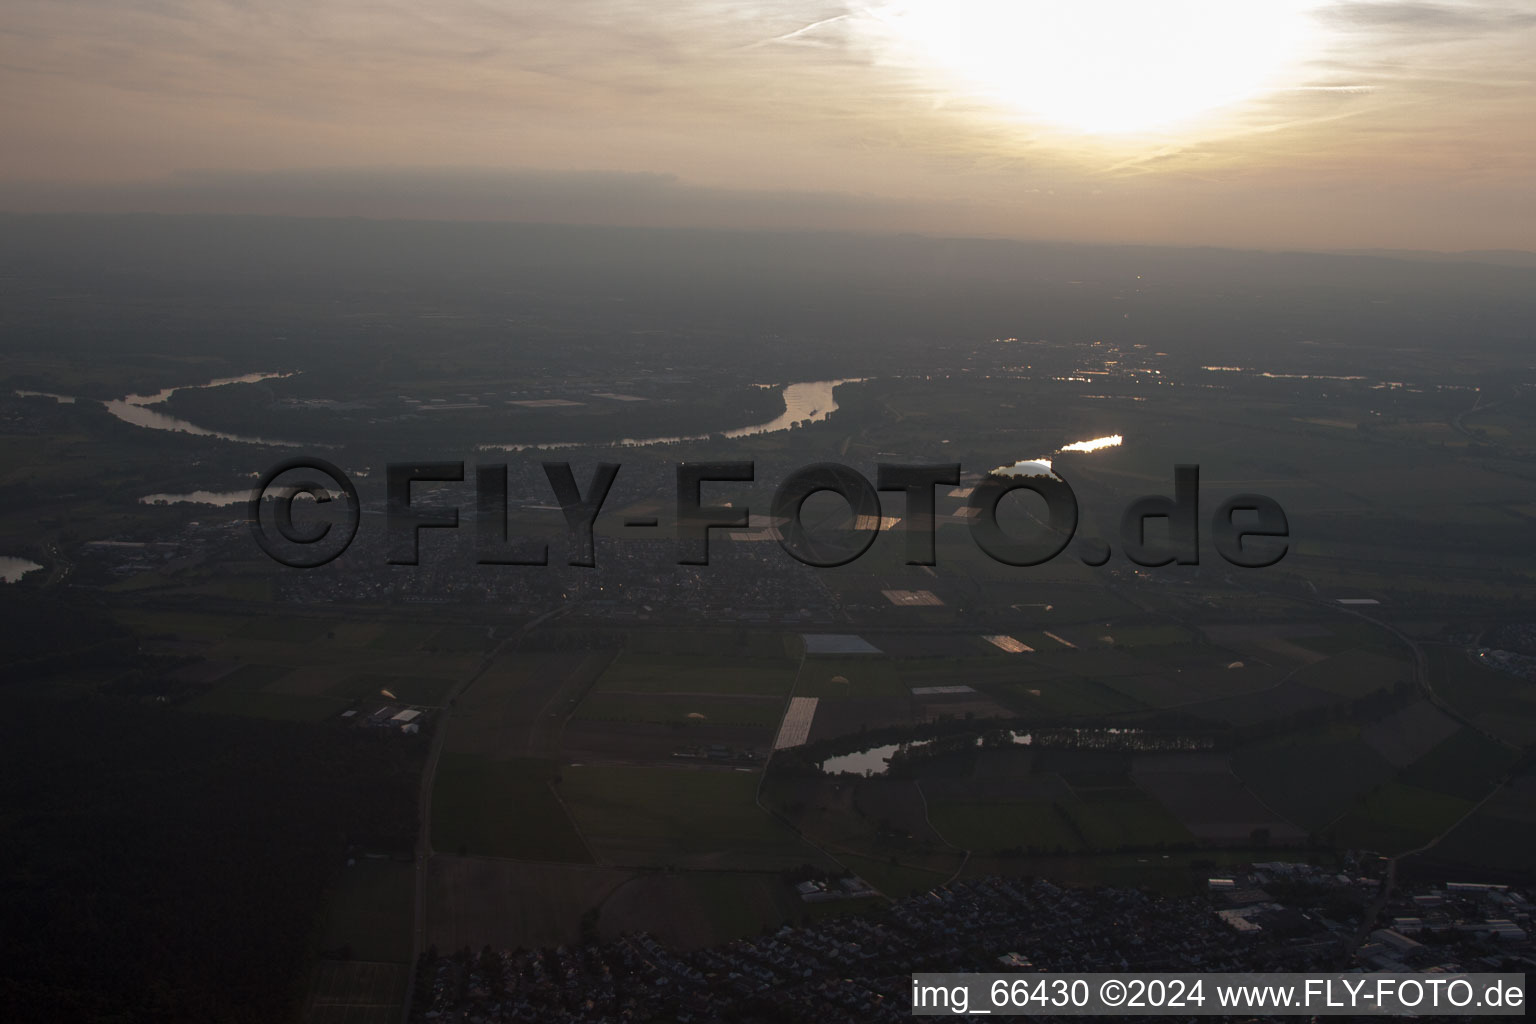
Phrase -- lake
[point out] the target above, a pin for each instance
(13, 568)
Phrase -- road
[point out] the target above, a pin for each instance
(1425, 686)
(424, 799)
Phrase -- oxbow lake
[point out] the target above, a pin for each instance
(13, 568)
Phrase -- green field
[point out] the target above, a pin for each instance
(356, 992)
(1353, 673)
(691, 909)
(474, 901)
(252, 678)
(409, 689)
(1065, 696)
(860, 676)
(1497, 701)
(1123, 818)
(1345, 636)
(312, 645)
(1165, 688)
(1465, 765)
(492, 808)
(894, 879)
(402, 637)
(199, 625)
(290, 629)
(1150, 636)
(1500, 834)
(653, 673)
(301, 669)
(368, 911)
(714, 644)
(1312, 777)
(1092, 819)
(1177, 873)
(1397, 818)
(987, 827)
(262, 704)
(976, 671)
(681, 711)
(459, 640)
(699, 817)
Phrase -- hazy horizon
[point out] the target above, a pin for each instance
(309, 213)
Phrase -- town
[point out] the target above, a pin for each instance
(1270, 917)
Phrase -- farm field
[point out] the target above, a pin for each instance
(1161, 635)
(286, 707)
(1406, 735)
(1176, 873)
(989, 827)
(898, 879)
(517, 706)
(418, 690)
(685, 817)
(1115, 818)
(592, 741)
(695, 697)
(1496, 702)
(1397, 818)
(1500, 834)
(1466, 764)
(368, 911)
(682, 711)
(502, 808)
(1087, 820)
(1276, 643)
(1354, 672)
(473, 901)
(302, 668)
(356, 992)
(1279, 702)
(844, 716)
(1170, 688)
(723, 646)
(857, 676)
(978, 672)
(1313, 777)
(1068, 696)
(691, 909)
(1208, 799)
(875, 818)
(675, 674)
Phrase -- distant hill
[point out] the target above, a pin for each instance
(1496, 257)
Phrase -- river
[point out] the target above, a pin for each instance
(806, 402)
(132, 409)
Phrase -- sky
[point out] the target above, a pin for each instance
(1314, 124)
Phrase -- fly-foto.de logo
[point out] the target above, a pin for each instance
(1247, 530)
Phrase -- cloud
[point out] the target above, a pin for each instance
(1438, 19)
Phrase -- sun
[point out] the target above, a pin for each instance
(1104, 66)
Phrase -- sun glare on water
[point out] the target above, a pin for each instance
(1105, 66)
